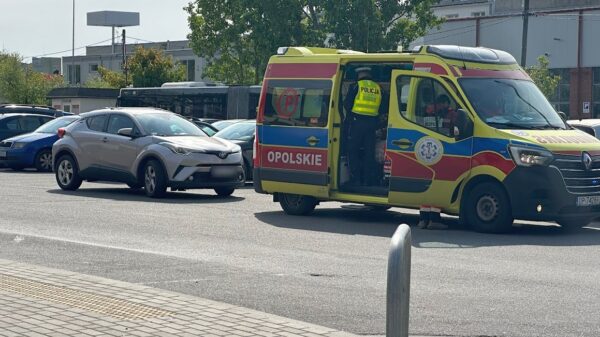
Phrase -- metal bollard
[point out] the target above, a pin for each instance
(398, 283)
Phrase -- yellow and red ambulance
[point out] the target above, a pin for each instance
(504, 153)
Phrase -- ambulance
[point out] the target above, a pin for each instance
(505, 153)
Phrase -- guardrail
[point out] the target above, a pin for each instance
(398, 283)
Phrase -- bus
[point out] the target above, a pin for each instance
(196, 99)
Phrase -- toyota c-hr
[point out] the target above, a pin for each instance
(145, 147)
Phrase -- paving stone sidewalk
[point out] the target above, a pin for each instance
(39, 301)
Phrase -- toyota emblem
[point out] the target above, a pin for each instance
(587, 161)
(224, 155)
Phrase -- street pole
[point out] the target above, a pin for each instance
(525, 30)
(124, 57)
(72, 72)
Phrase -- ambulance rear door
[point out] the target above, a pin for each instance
(293, 133)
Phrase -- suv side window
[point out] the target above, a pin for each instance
(12, 124)
(117, 122)
(97, 123)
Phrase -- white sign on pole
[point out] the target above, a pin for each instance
(586, 107)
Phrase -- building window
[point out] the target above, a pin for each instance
(67, 108)
(75, 109)
(560, 99)
(93, 68)
(451, 16)
(596, 92)
(476, 14)
(74, 76)
(190, 69)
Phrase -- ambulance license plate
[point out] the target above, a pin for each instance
(2, 154)
(592, 200)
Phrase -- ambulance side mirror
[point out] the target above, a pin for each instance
(463, 126)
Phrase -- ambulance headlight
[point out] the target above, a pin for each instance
(524, 156)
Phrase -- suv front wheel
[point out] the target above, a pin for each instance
(155, 179)
(67, 173)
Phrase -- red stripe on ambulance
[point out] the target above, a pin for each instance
(314, 160)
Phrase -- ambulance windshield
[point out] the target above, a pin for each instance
(511, 104)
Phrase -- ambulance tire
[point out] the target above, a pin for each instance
(488, 210)
(294, 204)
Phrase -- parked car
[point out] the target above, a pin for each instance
(33, 149)
(32, 109)
(16, 124)
(145, 147)
(591, 126)
(222, 124)
(205, 126)
(242, 133)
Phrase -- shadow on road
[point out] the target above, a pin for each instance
(383, 224)
(128, 194)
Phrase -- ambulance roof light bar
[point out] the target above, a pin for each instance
(301, 51)
(471, 54)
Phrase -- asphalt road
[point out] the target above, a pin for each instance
(328, 269)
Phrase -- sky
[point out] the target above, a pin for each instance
(38, 27)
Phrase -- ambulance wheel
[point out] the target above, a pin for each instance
(294, 204)
(488, 209)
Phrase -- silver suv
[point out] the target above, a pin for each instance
(145, 147)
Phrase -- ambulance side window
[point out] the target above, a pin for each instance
(432, 107)
(297, 102)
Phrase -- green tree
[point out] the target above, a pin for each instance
(543, 78)
(20, 84)
(237, 37)
(147, 68)
(151, 68)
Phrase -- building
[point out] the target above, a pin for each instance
(47, 65)
(455, 9)
(79, 100)
(80, 69)
(566, 36)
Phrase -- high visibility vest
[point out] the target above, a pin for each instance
(368, 98)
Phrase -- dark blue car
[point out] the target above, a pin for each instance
(33, 149)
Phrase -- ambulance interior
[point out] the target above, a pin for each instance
(380, 73)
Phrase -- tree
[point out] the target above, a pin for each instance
(20, 84)
(543, 78)
(147, 68)
(237, 37)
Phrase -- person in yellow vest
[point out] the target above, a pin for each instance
(362, 104)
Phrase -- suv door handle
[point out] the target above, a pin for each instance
(105, 140)
(402, 142)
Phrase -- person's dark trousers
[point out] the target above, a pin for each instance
(361, 135)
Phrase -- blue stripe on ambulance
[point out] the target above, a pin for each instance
(292, 136)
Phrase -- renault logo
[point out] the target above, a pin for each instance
(587, 161)
(224, 155)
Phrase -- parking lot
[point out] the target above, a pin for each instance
(327, 269)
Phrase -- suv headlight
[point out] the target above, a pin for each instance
(524, 156)
(176, 149)
(19, 145)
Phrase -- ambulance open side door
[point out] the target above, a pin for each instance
(429, 141)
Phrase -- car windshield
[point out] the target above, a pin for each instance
(54, 125)
(220, 125)
(166, 124)
(207, 129)
(511, 104)
(237, 131)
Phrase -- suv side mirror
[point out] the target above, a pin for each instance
(563, 116)
(127, 132)
(463, 125)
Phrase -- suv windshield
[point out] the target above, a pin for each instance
(511, 104)
(166, 124)
(53, 126)
(237, 131)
